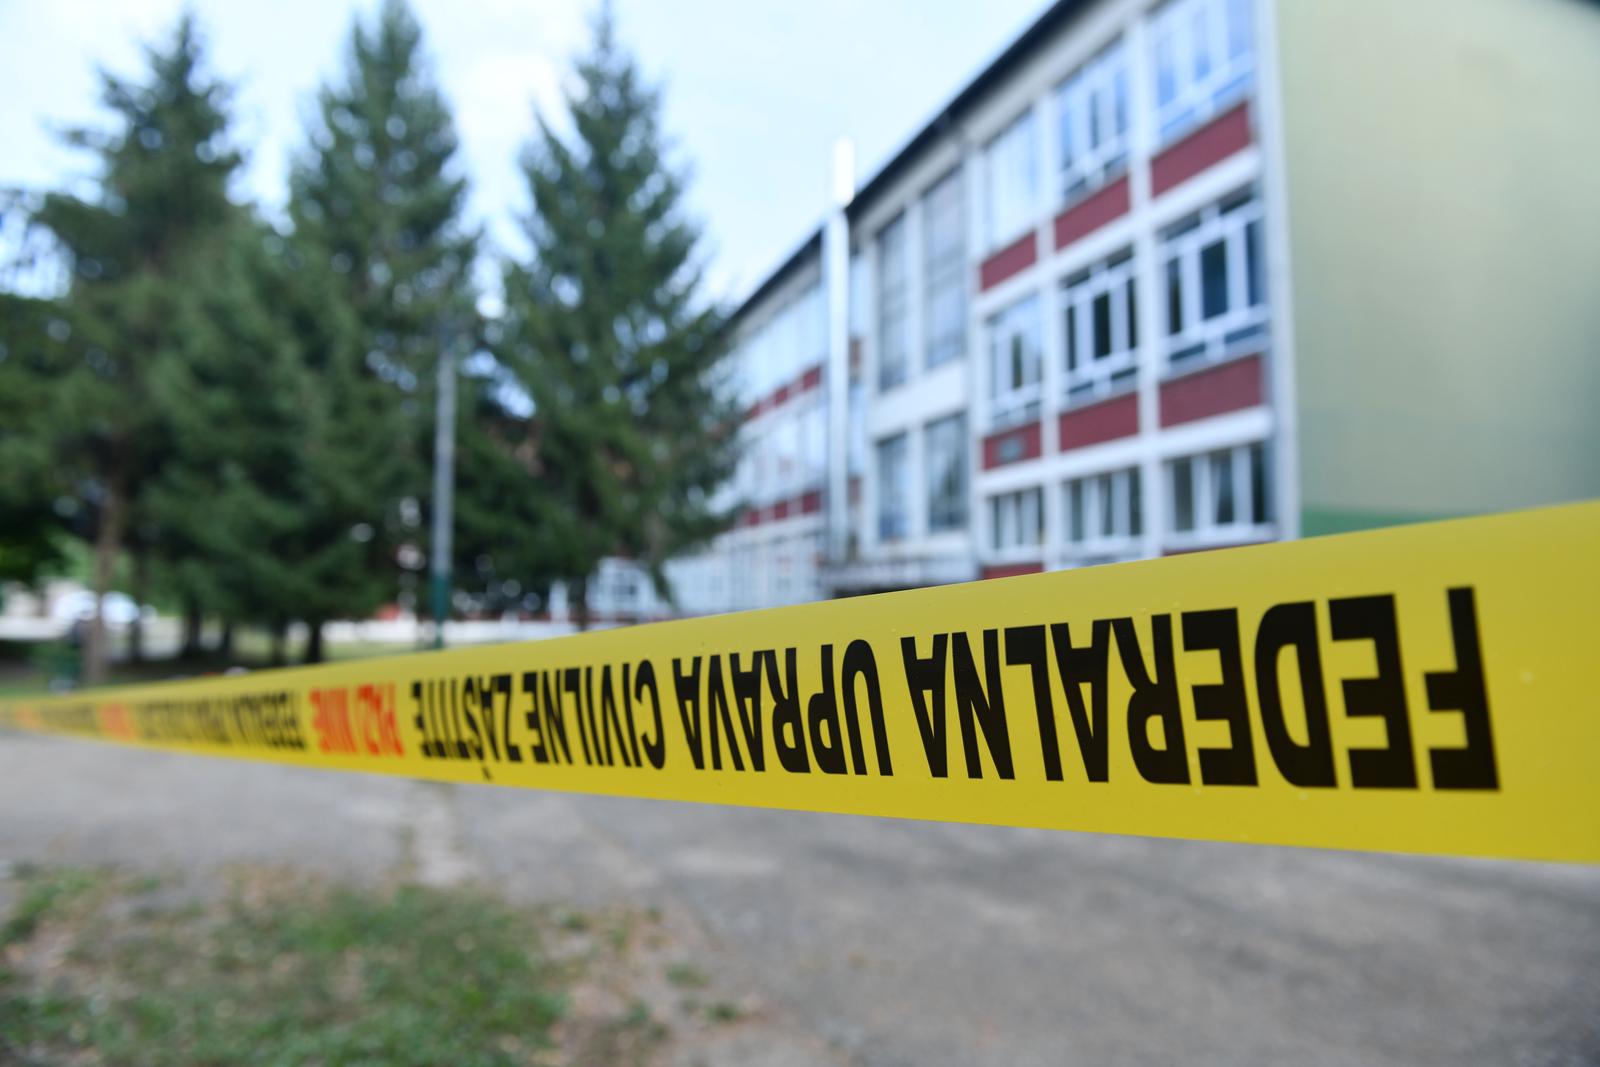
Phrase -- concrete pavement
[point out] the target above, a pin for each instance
(881, 942)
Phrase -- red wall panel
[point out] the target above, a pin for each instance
(1092, 212)
(1210, 144)
(1017, 256)
(1216, 390)
(1012, 446)
(1105, 421)
(1011, 570)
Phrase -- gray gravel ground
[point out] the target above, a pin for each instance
(881, 942)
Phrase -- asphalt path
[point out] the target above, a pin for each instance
(885, 942)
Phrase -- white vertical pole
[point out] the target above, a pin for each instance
(836, 277)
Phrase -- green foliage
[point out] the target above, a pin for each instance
(246, 415)
(605, 331)
(378, 213)
(32, 538)
(376, 195)
(138, 248)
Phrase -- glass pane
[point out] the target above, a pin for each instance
(1133, 319)
(1166, 71)
(1072, 337)
(1075, 510)
(1222, 487)
(1119, 90)
(1183, 495)
(996, 346)
(996, 523)
(1068, 116)
(1238, 28)
(1108, 512)
(1260, 491)
(1174, 297)
(1102, 326)
(1135, 504)
(1252, 253)
(1033, 510)
(1200, 40)
(1213, 280)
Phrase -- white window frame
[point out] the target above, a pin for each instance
(1011, 182)
(941, 436)
(1017, 523)
(894, 493)
(1241, 328)
(944, 271)
(1086, 376)
(894, 304)
(1013, 399)
(1234, 464)
(1206, 50)
(1087, 505)
(1093, 101)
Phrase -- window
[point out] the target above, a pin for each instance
(1221, 495)
(944, 273)
(1093, 109)
(894, 488)
(894, 340)
(1102, 334)
(784, 442)
(857, 311)
(945, 453)
(1014, 364)
(1216, 301)
(1017, 520)
(1011, 183)
(1204, 61)
(856, 430)
(814, 444)
(1104, 513)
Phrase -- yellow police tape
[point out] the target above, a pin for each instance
(1429, 688)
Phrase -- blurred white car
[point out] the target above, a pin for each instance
(120, 609)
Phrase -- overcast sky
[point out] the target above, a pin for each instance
(756, 93)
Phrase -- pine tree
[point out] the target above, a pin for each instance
(607, 332)
(233, 497)
(135, 247)
(378, 210)
(32, 534)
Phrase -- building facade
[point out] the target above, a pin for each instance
(1178, 275)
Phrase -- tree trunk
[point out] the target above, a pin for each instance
(578, 593)
(279, 635)
(193, 622)
(141, 581)
(313, 642)
(225, 640)
(107, 543)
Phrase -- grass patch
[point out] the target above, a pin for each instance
(687, 976)
(43, 892)
(282, 974)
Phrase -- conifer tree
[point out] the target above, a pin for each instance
(232, 500)
(378, 212)
(607, 331)
(150, 229)
(32, 534)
